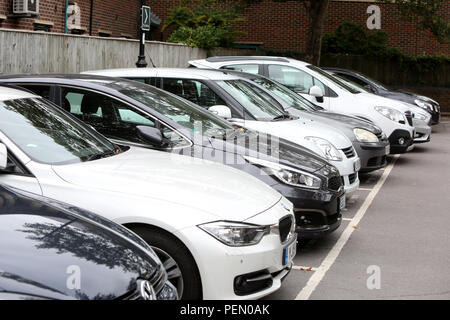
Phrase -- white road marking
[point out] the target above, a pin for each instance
(347, 219)
(317, 277)
(365, 189)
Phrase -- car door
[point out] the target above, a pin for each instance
(16, 174)
(299, 81)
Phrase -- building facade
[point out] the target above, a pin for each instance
(269, 24)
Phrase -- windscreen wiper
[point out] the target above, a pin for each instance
(101, 155)
(282, 117)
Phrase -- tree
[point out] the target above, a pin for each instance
(317, 12)
(426, 14)
(204, 23)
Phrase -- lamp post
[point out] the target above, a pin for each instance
(141, 63)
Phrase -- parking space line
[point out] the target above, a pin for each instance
(329, 260)
(346, 219)
(365, 189)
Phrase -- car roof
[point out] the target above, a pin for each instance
(9, 93)
(221, 59)
(183, 73)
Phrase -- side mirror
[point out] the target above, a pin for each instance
(221, 111)
(3, 157)
(150, 134)
(316, 91)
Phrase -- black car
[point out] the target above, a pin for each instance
(50, 250)
(380, 89)
(133, 113)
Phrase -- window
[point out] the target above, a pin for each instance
(48, 135)
(40, 90)
(194, 91)
(249, 68)
(291, 77)
(108, 116)
(113, 118)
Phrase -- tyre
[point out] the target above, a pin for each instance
(180, 266)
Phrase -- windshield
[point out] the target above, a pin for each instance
(179, 110)
(333, 79)
(254, 100)
(293, 99)
(373, 82)
(352, 84)
(48, 135)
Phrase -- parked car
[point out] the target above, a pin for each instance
(220, 233)
(383, 90)
(51, 250)
(420, 118)
(286, 167)
(369, 141)
(244, 104)
(319, 87)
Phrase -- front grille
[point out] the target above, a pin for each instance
(285, 227)
(352, 177)
(409, 117)
(157, 280)
(334, 183)
(349, 152)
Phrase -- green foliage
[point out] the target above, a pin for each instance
(351, 45)
(426, 14)
(354, 39)
(204, 23)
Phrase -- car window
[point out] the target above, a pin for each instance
(291, 77)
(40, 90)
(195, 91)
(352, 79)
(249, 68)
(109, 116)
(48, 135)
(254, 100)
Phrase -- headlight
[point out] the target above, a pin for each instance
(423, 104)
(391, 114)
(287, 174)
(328, 150)
(236, 234)
(364, 135)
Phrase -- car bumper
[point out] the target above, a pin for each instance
(348, 169)
(316, 211)
(401, 141)
(221, 267)
(422, 131)
(372, 155)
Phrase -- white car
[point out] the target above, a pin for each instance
(421, 118)
(220, 233)
(247, 105)
(393, 117)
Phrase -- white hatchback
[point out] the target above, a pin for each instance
(321, 88)
(220, 233)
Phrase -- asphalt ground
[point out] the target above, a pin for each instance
(394, 241)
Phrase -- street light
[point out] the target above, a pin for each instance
(141, 63)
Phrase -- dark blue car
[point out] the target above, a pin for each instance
(50, 250)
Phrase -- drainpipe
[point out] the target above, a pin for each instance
(66, 4)
(90, 17)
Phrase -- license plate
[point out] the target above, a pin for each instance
(289, 253)
(341, 202)
(357, 165)
(388, 149)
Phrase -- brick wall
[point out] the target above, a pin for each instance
(284, 25)
(275, 25)
(118, 17)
